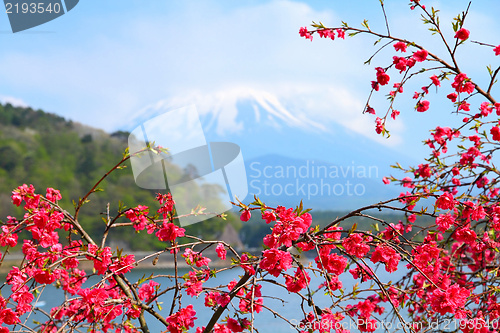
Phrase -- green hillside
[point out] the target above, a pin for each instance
(47, 150)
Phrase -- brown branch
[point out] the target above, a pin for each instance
(221, 309)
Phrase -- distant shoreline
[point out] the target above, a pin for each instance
(165, 261)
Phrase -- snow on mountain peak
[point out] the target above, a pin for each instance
(227, 111)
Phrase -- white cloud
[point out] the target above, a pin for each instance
(13, 100)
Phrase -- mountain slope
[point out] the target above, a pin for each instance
(274, 133)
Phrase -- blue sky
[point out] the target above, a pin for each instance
(104, 62)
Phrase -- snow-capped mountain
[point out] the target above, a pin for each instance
(278, 139)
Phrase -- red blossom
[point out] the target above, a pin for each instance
(274, 261)
(138, 216)
(355, 245)
(367, 324)
(462, 83)
(423, 106)
(407, 182)
(400, 46)
(288, 227)
(482, 182)
(386, 255)
(123, 264)
(452, 97)
(246, 266)
(464, 106)
(9, 317)
(53, 195)
(221, 251)
(408, 199)
(100, 257)
(466, 235)
(423, 171)
(445, 201)
(382, 77)
(298, 282)
(44, 276)
(435, 81)
(326, 33)
(462, 34)
(400, 63)
(167, 204)
(486, 109)
(245, 215)
(444, 222)
(169, 232)
(332, 263)
(380, 126)
(303, 32)
(420, 55)
(268, 216)
(8, 237)
(195, 258)
(182, 320)
(362, 271)
(495, 132)
(234, 325)
(147, 291)
(450, 300)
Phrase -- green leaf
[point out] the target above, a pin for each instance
(299, 208)
(305, 211)
(121, 206)
(144, 278)
(365, 24)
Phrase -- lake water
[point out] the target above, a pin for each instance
(265, 321)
